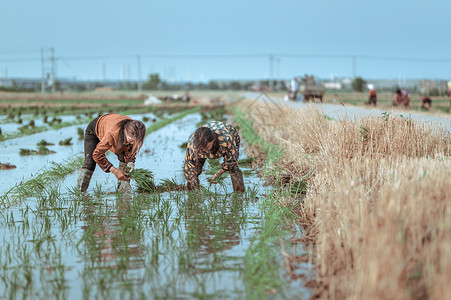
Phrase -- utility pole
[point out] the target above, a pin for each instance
(127, 73)
(140, 84)
(354, 66)
(271, 63)
(103, 72)
(53, 68)
(42, 71)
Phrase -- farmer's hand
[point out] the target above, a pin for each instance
(131, 166)
(218, 174)
(120, 175)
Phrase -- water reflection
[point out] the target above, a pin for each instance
(113, 240)
(213, 229)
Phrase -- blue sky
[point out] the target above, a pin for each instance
(199, 40)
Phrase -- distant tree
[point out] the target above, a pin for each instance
(213, 85)
(128, 86)
(57, 84)
(235, 85)
(264, 82)
(79, 87)
(162, 85)
(434, 92)
(153, 82)
(357, 84)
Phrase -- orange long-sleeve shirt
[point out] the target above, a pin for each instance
(107, 130)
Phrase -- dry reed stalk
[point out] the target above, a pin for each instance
(376, 243)
(378, 204)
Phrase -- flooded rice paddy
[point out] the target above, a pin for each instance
(59, 243)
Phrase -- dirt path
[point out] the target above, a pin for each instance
(338, 111)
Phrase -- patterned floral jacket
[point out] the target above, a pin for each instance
(229, 146)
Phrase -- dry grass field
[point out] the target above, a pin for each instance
(378, 206)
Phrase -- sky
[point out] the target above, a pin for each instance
(202, 40)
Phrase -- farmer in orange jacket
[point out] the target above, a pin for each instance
(117, 133)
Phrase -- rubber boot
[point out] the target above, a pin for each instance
(237, 181)
(193, 184)
(124, 186)
(84, 178)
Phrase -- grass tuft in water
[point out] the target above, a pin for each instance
(66, 142)
(7, 166)
(81, 133)
(169, 185)
(246, 162)
(44, 143)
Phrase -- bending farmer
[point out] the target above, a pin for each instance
(213, 140)
(117, 133)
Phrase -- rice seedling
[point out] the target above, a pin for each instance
(168, 184)
(35, 185)
(43, 150)
(66, 142)
(262, 257)
(214, 166)
(23, 129)
(246, 162)
(81, 133)
(248, 172)
(25, 152)
(44, 143)
(144, 179)
(7, 166)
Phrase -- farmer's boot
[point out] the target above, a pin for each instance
(124, 185)
(192, 184)
(237, 181)
(84, 178)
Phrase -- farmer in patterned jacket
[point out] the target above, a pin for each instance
(213, 140)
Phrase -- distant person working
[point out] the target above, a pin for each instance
(372, 95)
(426, 101)
(401, 98)
(293, 89)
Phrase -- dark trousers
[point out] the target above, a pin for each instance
(91, 141)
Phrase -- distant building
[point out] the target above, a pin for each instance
(333, 85)
(7, 83)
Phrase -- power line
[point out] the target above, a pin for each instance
(252, 55)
